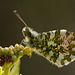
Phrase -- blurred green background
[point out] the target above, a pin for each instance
(41, 15)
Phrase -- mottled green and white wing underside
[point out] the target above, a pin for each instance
(57, 46)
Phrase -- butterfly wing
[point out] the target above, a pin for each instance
(56, 46)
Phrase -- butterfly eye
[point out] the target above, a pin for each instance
(25, 34)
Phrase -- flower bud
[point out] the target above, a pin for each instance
(11, 52)
(14, 57)
(1, 49)
(20, 52)
(17, 45)
(6, 50)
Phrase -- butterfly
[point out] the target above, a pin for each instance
(57, 46)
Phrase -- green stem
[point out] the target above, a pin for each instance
(6, 71)
(8, 66)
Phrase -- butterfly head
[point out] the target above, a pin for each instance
(28, 32)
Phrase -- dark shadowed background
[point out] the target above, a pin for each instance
(41, 15)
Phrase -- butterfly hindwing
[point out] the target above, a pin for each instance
(58, 46)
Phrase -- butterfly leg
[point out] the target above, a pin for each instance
(23, 42)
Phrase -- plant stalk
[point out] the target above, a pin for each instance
(6, 71)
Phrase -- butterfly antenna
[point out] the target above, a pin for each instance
(17, 14)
